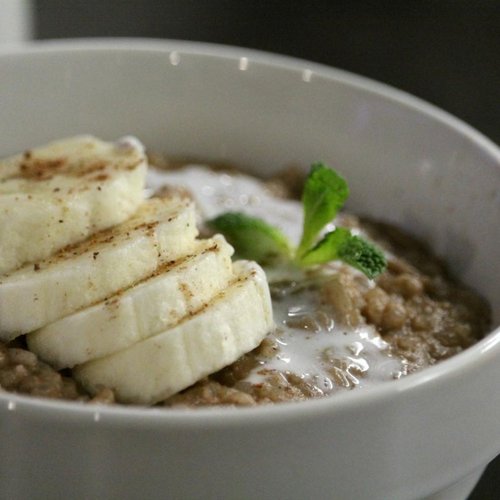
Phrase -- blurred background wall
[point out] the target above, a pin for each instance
(16, 22)
(444, 51)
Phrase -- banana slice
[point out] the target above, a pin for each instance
(149, 371)
(174, 291)
(37, 294)
(63, 192)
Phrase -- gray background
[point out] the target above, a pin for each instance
(444, 51)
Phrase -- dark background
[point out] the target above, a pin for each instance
(444, 51)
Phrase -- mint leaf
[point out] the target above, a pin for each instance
(325, 192)
(353, 250)
(327, 249)
(251, 237)
(363, 255)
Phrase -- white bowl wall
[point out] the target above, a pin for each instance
(405, 161)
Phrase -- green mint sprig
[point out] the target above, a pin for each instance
(325, 192)
(252, 238)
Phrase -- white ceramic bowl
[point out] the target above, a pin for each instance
(429, 435)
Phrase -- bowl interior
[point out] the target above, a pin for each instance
(405, 161)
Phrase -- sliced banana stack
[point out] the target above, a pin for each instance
(62, 193)
(175, 290)
(149, 371)
(142, 307)
(35, 295)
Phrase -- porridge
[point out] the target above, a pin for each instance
(335, 328)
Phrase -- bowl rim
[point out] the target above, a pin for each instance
(486, 350)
